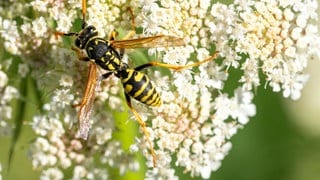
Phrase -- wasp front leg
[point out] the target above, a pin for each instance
(112, 37)
(133, 26)
(130, 34)
(80, 54)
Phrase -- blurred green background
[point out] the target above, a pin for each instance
(282, 142)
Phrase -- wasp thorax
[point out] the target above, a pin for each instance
(84, 36)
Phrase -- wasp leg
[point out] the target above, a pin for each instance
(106, 75)
(133, 26)
(131, 33)
(84, 11)
(112, 37)
(121, 53)
(143, 126)
(80, 54)
(175, 67)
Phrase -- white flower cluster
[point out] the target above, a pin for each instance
(192, 128)
(7, 93)
(275, 38)
(282, 36)
(107, 17)
(57, 149)
(9, 32)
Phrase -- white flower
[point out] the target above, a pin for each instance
(9, 94)
(9, 32)
(283, 42)
(134, 148)
(102, 135)
(66, 81)
(64, 23)
(293, 86)
(23, 69)
(79, 172)
(39, 27)
(40, 5)
(51, 173)
(3, 79)
(63, 97)
(245, 107)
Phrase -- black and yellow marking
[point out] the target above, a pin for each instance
(138, 85)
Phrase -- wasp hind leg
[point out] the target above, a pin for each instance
(143, 126)
(176, 67)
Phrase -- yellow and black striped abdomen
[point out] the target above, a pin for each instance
(138, 85)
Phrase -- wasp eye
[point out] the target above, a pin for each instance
(91, 29)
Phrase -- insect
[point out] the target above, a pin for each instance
(108, 55)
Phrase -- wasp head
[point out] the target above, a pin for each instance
(84, 36)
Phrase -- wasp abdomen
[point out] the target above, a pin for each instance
(138, 85)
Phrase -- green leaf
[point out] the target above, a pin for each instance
(20, 107)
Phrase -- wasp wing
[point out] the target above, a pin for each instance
(148, 42)
(86, 103)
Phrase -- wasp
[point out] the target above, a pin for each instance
(108, 55)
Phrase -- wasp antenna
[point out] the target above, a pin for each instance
(57, 34)
(70, 34)
(84, 24)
